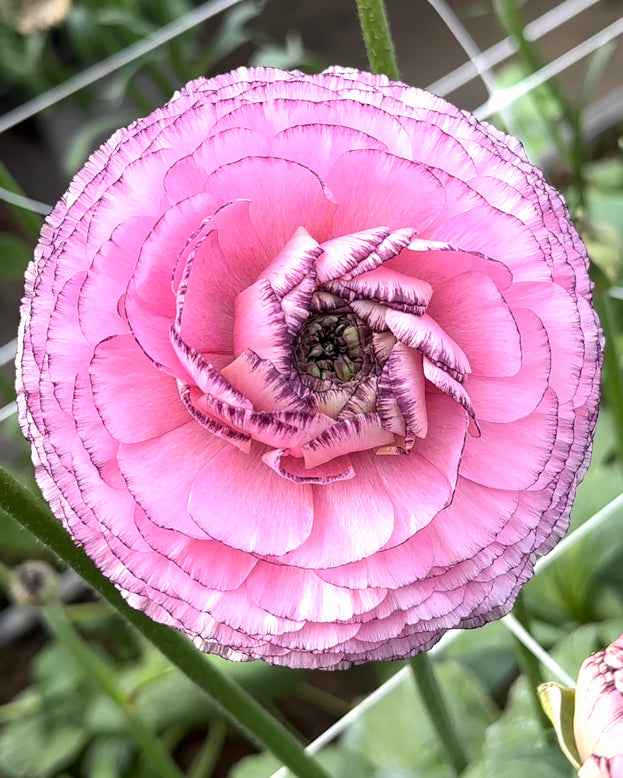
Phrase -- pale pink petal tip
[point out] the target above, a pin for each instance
(310, 379)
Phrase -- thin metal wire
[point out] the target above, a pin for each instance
(468, 44)
(522, 634)
(24, 202)
(551, 20)
(504, 98)
(113, 63)
(7, 352)
(7, 411)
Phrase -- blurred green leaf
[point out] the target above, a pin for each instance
(573, 649)
(108, 757)
(15, 254)
(257, 766)
(92, 134)
(230, 36)
(489, 653)
(171, 698)
(20, 56)
(604, 240)
(290, 55)
(16, 543)
(594, 72)
(56, 674)
(116, 16)
(516, 746)
(530, 113)
(30, 749)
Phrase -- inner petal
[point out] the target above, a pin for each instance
(333, 346)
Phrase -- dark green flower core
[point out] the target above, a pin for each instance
(332, 347)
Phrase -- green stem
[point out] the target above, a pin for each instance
(438, 713)
(205, 761)
(6, 575)
(239, 706)
(322, 700)
(377, 37)
(612, 379)
(530, 665)
(97, 669)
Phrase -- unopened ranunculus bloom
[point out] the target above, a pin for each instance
(598, 718)
(310, 367)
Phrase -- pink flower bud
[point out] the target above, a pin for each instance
(598, 719)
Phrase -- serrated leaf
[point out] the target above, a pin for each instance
(558, 702)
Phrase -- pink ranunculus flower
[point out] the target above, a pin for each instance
(310, 367)
(598, 717)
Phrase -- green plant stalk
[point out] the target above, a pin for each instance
(510, 20)
(29, 221)
(205, 761)
(97, 669)
(530, 666)
(612, 380)
(6, 576)
(438, 713)
(239, 706)
(377, 37)
(324, 701)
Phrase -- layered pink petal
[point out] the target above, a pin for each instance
(134, 400)
(278, 514)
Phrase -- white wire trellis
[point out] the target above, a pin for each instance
(480, 64)
(120, 59)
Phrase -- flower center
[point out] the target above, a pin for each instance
(332, 347)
